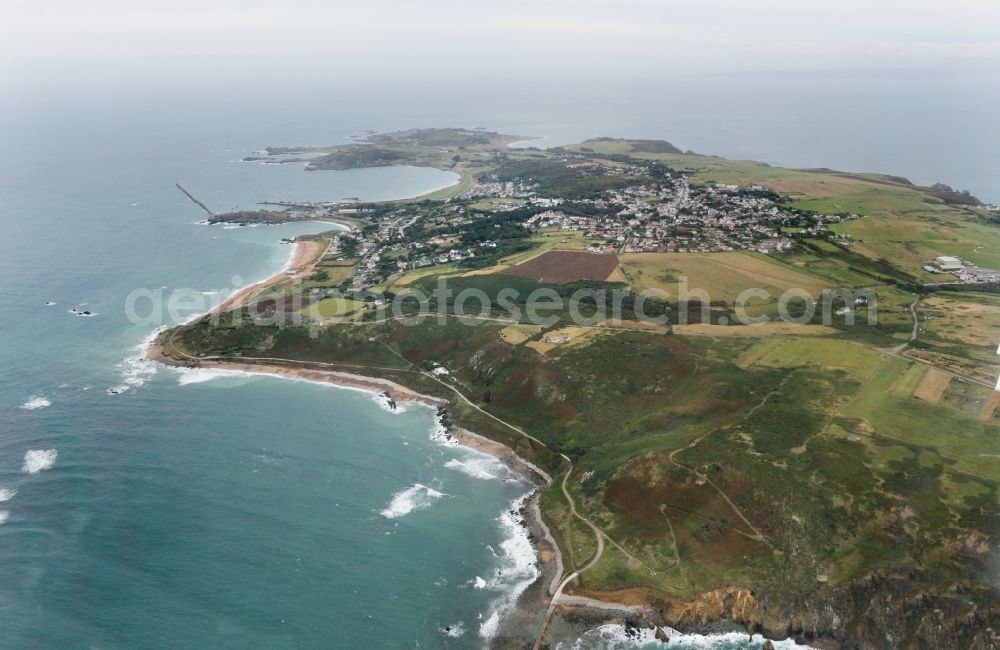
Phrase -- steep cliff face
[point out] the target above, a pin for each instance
(732, 603)
(902, 609)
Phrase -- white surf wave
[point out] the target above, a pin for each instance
(6, 495)
(415, 497)
(482, 467)
(517, 569)
(488, 628)
(136, 369)
(454, 630)
(36, 402)
(37, 460)
(4, 515)
(618, 637)
(186, 376)
(388, 404)
(439, 434)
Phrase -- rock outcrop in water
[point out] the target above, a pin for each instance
(252, 217)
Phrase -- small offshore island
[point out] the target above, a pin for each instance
(834, 483)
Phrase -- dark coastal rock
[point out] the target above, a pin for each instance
(247, 217)
(901, 605)
(442, 416)
(633, 628)
(767, 645)
(662, 636)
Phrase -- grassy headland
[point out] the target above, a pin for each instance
(833, 482)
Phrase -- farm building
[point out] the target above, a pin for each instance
(948, 263)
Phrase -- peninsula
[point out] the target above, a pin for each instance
(832, 479)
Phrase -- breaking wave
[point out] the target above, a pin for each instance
(479, 466)
(6, 495)
(439, 434)
(37, 460)
(619, 637)
(516, 570)
(36, 402)
(186, 376)
(415, 497)
(136, 369)
(454, 630)
(386, 403)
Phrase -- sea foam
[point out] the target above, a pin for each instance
(186, 376)
(454, 630)
(4, 514)
(415, 497)
(517, 568)
(439, 434)
(37, 460)
(480, 466)
(618, 637)
(6, 495)
(36, 402)
(386, 403)
(136, 369)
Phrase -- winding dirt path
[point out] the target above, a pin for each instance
(599, 534)
(913, 334)
(757, 535)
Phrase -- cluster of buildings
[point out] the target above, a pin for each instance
(673, 216)
(661, 212)
(500, 189)
(966, 273)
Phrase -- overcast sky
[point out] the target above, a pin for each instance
(251, 38)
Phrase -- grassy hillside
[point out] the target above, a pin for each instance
(789, 461)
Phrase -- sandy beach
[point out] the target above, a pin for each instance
(397, 392)
(513, 632)
(375, 385)
(517, 630)
(307, 254)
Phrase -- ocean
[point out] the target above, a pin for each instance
(196, 509)
(144, 507)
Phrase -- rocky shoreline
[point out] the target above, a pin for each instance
(885, 609)
(517, 628)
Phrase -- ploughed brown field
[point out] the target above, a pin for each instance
(566, 266)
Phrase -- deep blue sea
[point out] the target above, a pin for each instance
(195, 510)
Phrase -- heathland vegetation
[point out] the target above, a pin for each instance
(844, 475)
